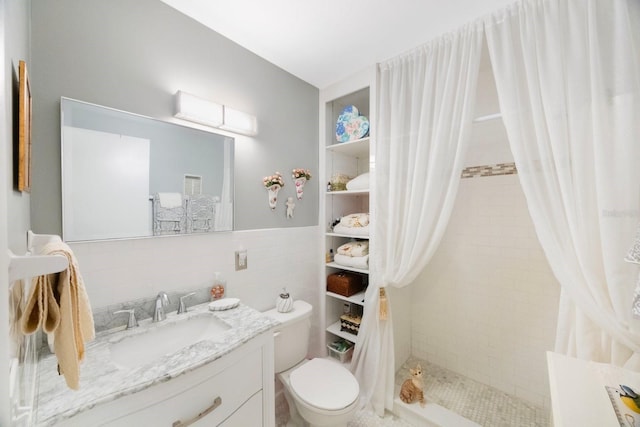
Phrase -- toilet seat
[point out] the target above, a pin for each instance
(324, 384)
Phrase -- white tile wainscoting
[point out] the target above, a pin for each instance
(118, 271)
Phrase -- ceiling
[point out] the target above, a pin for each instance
(322, 42)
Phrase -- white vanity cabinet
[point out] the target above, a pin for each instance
(234, 390)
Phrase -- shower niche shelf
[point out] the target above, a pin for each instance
(352, 159)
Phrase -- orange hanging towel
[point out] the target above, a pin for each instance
(58, 303)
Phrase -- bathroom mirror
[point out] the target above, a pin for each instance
(126, 176)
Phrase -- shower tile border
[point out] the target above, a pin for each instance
(489, 170)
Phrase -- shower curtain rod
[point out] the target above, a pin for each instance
(487, 117)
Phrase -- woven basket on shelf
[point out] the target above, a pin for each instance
(350, 323)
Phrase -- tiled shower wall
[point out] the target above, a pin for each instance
(486, 305)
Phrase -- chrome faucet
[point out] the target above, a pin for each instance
(161, 302)
(132, 322)
(182, 308)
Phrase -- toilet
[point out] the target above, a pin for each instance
(323, 391)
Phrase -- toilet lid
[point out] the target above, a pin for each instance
(324, 384)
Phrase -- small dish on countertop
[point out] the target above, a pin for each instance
(224, 304)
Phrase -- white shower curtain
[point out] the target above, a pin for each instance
(568, 79)
(223, 218)
(426, 100)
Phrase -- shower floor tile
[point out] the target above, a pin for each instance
(473, 400)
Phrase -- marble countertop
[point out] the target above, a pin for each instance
(101, 380)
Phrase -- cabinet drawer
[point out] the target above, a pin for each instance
(249, 414)
(234, 386)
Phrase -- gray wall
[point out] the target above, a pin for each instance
(17, 48)
(14, 206)
(134, 56)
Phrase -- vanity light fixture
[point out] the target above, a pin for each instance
(195, 109)
(239, 122)
(198, 110)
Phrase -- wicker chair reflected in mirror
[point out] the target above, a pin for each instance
(200, 213)
(168, 220)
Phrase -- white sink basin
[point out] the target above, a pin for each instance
(165, 338)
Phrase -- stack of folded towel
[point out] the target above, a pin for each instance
(356, 224)
(353, 254)
(58, 304)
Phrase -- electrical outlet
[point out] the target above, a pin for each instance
(241, 260)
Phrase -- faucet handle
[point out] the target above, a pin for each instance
(133, 322)
(182, 308)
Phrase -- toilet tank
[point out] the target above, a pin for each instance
(291, 336)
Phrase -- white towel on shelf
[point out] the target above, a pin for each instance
(355, 220)
(361, 182)
(354, 249)
(170, 200)
(352, 261)
(351, 231)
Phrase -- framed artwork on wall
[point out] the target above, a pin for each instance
(24, 123)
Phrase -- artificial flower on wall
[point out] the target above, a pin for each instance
(273, 184)
(300, 176)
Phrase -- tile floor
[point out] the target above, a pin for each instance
(363, 418)
(369, 419)
(475, 401)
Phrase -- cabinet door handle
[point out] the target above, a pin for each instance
(216, 402)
